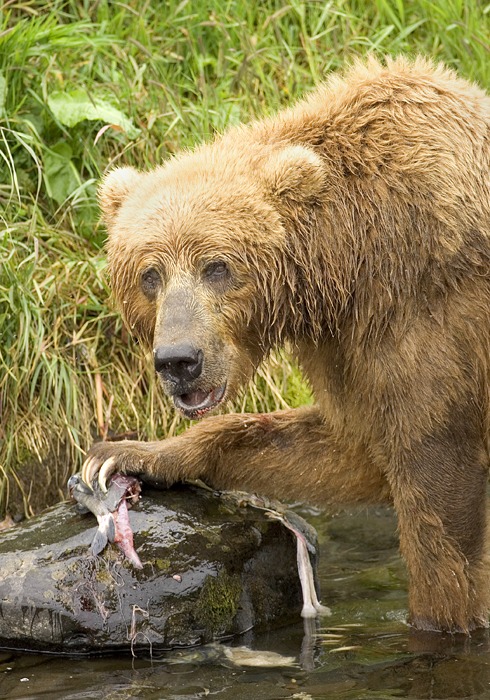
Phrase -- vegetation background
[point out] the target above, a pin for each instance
(87, 84)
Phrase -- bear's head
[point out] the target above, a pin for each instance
(201, 261)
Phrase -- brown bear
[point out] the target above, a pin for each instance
(356, 226)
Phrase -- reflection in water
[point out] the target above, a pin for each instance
(362, 652)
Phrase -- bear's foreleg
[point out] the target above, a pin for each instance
(439, 492)
(290, 454)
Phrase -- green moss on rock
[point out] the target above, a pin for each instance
(218, 601)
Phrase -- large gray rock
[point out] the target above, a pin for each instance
(211, 570)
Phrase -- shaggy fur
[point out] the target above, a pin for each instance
(354, 225)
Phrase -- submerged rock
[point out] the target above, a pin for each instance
(211, 569)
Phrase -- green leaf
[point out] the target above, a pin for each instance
(75, 106)
(60, 175)
(3, 94)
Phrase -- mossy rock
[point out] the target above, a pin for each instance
(209, 572)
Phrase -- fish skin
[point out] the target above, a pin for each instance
(228, 656)
(111, 511)
(305, 536)
(86, 498)
(89, 501)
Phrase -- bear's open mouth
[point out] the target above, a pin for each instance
(196, 403)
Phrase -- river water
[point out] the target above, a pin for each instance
(363, 651)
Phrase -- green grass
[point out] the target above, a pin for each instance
(167, 75)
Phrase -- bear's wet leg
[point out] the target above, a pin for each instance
(291, 455)
(439, 492)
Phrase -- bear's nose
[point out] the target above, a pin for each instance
(178, 363)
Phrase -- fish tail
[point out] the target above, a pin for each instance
(105, 533)
(99, 542)
(111, 528)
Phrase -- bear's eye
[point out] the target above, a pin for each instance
(151, 282)
(216, 271)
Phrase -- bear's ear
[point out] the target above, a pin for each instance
(295, 172)
(114, 189)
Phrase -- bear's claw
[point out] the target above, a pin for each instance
(107, 469)
(88, 471)
(91, 467)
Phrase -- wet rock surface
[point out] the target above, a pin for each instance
(211, 570)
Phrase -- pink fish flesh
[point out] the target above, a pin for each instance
(124, 535)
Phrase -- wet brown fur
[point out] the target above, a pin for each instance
(357, 227)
